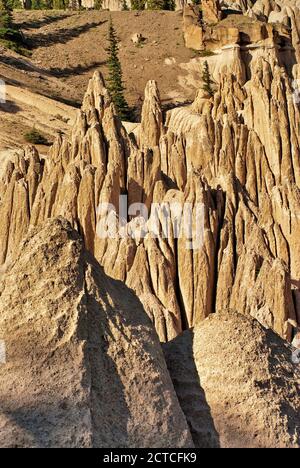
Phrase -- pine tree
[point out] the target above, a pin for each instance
(207, 81)
(161, 5)
(138, 4)
(155, 4)
(59, 4)
(98, 5)
(6, 20)
(114, 82)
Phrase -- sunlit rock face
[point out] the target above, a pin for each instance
(234, 153)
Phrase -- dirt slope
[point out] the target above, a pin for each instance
(71, 46)
(25, 110)
(67, 47)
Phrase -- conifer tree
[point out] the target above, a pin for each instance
(114, 82)
(59, 4)
(138, 4)
(161, 5)
(6, 20)
(207, 81)
(97, 5)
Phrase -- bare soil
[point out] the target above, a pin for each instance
(71, 46)
(65, 50)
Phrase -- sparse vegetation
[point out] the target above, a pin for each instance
(35, 137)
(161, 5)
(114, 81)
(6, 21)
(60, 4)
(205, 53)
(62, 54)
(10, 37)
(138, 4)
(207, 81)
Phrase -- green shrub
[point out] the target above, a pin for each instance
(138, 4)
(114, 80)
(11, 35)
(206, 53)
(35, 137)
(207, 81)
(13, 39)
(125, 7)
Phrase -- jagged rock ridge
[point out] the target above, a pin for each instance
(217, 154)
(235, 154)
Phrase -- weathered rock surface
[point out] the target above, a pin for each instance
(207, 31)
(192, 31)
(232, 158)
(235, 155)
(236, 384)
(84, 365)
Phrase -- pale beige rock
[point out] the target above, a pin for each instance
(151, 128)
(211, 11)
(192, 31)
(84, 365)
(232, 384)
(236, 154)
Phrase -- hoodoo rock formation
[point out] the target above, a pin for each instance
(236, 154)
(77, 292)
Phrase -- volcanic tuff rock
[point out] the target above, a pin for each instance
(253, 30)
(285, 12)
(211, 11)
(193, 33)
(236, 154)
(84, 365)
(236, 384)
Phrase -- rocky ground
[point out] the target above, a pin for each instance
(82, 330)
